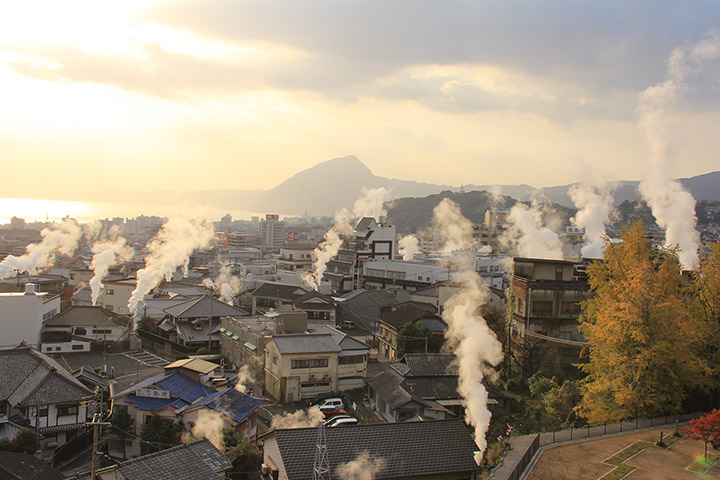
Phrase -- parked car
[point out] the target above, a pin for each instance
(336, 417)
(333, 402)
(339, 422)
(330, 411)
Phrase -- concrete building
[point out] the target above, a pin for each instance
(304, 365)
(116, 294)
(372, 240)
(381, 274)
(22, 316)
(272, 232)
(295, 258)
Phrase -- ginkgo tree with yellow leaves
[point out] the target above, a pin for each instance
(641, 355)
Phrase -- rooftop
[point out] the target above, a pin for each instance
(87, 316)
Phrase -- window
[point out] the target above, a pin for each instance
(80, 331)
(542, 307)
(299, 364)
(109, 291)
(43, 412)
(109, 307)
(317, 363)
(313, 363)
(67, 410)
(570, 308)
(102, 330)
(559, 274)
(353, 359)
(275, 359)
(77, 347)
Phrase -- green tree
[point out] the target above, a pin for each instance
(412, 339)
(246, 458)
(159, 434)
(147, 324)
(640, 359)
(121, 420)
(24, 442)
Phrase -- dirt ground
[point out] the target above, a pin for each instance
(584, 461)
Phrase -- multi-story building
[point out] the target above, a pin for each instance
(392, 322)
(22, 316)
(78, 327)
(304, 365)
(116, 294)
(381, 274)
(237, 240)
(295, 258)
(272, 232)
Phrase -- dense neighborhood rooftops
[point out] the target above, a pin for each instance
(80, 316)
(32, 378)
(279, 290)
(306, 343)
(427, 365)
(407, 313)
(236, 406)
(409, 448)
(203, 306)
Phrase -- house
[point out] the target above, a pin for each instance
(194, 368)
(276, 296)
(307, 364)
(547, 295)
(77, 328)
(319, 307)
(381, 274)
(438, 449)
(36, 391)
(423, 385)
(364, 307)
(195, 323)
(295, 258)
(116, 294)
(174, 396)
(190, 461)
(22, 316)
(392, 322)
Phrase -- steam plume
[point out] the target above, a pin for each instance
(170, 249)
(106, 254)
(528, 235)
(299, 419)
(227, 284)
(409, 247)
(370, 203)
(245, 375)
(361, 468)
(672, 206)
(60, 238)
(209, 424)
(594, 204)
(455, 228)
(475, 345)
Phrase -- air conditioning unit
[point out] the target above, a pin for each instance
(326, 376)
(312, 377)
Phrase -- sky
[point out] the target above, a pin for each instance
(99, 98)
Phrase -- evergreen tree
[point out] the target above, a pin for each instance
(641, 359)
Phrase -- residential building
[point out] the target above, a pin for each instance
(423, 385)
(37, 392)
(272, 232)
(295, 258)
(437, 450)
(195, 460)
(175, 396)
(319, 307)
(22, 316)
(340, 271)
(364, 307)
(381, 274)
(392, 322)
(304, 365)
(372, 240)
(275, 296)
(77, 328)
(116, 294)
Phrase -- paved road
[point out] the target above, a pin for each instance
(147, 358)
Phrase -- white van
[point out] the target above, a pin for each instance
(331, 402)
(338, 422)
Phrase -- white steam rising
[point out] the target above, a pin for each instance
(370, 203)
(225, 283)
(299, 419)
(527, 235)
(362, 467)
(170, 248)
(594, 203)
(245, 376)
(409, 247)
(59, 238)
(455, 229)
(106, 254)
(672, 206)
(209, 424)
(474, 344)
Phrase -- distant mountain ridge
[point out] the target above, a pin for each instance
(334, 184)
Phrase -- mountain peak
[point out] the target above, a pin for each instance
(350, 162)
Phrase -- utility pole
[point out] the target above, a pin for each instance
(96, 423)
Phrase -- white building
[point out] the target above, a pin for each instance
(22, 316)
(380, 274)
(272, 231)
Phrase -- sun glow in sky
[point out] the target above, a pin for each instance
(103, 99)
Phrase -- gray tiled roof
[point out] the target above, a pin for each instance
(21, 465)
(279, 290)
(87, 316)
(407, 313)
(430, 364)
(193, 461)
(32, 378)
(306, 343)
(409, 448)
(203, 307)
(388, 386)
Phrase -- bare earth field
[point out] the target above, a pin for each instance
(591, 460)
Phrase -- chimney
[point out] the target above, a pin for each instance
(31, 289)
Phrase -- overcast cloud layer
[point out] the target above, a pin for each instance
(496, 92)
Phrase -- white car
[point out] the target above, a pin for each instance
(338, 422)
(334, 419)
(331, 402)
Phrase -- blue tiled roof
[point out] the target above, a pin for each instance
(183, 387)
(154, 404)
(237, 406)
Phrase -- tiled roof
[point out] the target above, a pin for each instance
(408, 313)
(314, 300)
(176, 383)
(345, 341)
(193, 461)
(87, 316)
(21, 465)
(388, 386)
(430, 364)
(305, 343)
(32, 378)
(409, 448)
(154, 404)
(229, 402)
(433, 388)
(279, 290)
(194, 364)
(203, 307)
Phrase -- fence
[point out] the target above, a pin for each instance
(522, 449)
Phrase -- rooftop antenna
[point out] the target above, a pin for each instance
(321, 466)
